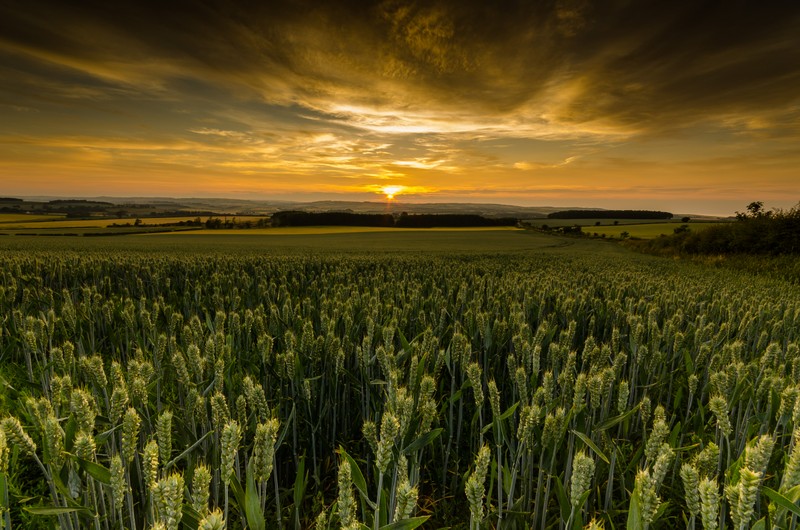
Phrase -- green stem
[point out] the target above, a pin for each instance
(53, 493)
(129, 497)
(4, 505)
(547, 488)
(536, 505)
(571, 517)
(96, 505)
(499, 487)
(277, 493)
(226, 501)
(377, 521)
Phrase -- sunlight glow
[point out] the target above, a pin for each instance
(391, 191)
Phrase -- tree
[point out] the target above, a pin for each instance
(755, 210)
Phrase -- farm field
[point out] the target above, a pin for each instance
(591, 222)
(339, 241)
(57, 224)
(43, 222)
(462, 379)
(23, 217)
(324, 230)
(644, 230)
(637, 228)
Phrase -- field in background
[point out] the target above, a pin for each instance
(46, 222)
(221, 241)
(591, 222)
(58, 224)
(26, 218)
(638, 228)
(322, 230)
(644, 230)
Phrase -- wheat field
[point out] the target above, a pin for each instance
(537, 389)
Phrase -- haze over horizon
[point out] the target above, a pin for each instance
(681, 107)
(370, 204)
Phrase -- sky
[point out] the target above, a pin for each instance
(681, 106)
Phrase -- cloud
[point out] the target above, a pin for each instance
(528, 166)
(570, 68)
(404, 91)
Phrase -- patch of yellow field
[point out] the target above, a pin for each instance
(318, 230)
(63, 223)
(25, 217)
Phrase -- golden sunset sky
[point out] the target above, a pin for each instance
(681, 106)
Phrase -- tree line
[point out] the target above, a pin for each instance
(609, 214)
(404, 220)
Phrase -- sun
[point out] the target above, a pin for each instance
(391, 191)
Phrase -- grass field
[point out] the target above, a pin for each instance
(245, 241)
(41, 224)
(643, 230)
(25, 218)
(46, 222)
(591, 222)
(638, 228)
(99, 226)
(320, 230)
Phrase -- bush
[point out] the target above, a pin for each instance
(755, 232)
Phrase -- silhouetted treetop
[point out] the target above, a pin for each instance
(609, 214)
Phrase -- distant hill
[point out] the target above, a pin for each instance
(222, 206)
(155, 206)
(486, 210)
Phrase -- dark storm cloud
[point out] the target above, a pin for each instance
(568, 66)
